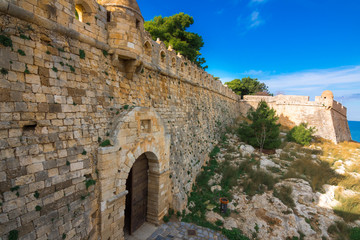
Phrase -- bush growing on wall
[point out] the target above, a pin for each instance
(301, 134)
(263, 131)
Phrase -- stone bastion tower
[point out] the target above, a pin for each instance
(126, 34)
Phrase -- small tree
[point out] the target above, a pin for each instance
(263, 131)
(247, 86)
(301, 134)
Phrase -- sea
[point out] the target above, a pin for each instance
(355, 130)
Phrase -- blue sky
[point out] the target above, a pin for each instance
(298, 47)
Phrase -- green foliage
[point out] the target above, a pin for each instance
(38, 208)
(36, 194)
(77, 15)
(82, 54)
(247, 86)
(301, 134)
(105, 53)
(22, 36)
(234, 234)
(172, 31)
(26, 69)
(21, 52)
(105, 143)
(4, 71)
(67, 163)
(126, 107)
(256, 228)
(219, 223)
(214, 152)
(72, 68)
(166, 218)
(263, 131)
(284, 194)
(14, 188)
(355, 233)
(89, 182)
(84, 152)
(341, 230)
(13, 235)
(257, 182)
(6, 41)
(55, 69)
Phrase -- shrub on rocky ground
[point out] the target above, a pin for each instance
(284, 194)
(263, 131)
(317, 174)
(301, 134)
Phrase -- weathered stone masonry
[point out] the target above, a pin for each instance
(70, 85)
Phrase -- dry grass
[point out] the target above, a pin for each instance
(355, 167)
(343, 151)
(349, 209)
(317, 174)
(350, 182)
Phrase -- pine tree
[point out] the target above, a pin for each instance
(263, 131)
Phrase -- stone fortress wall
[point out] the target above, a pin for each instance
(69, 85)
(325, 114)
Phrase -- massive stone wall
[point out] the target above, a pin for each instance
(325, 114)
(64, 89)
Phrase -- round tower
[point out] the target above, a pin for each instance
(125, 27)
(327, 98)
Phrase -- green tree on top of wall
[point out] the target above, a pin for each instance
(247, 86)
(172, 31)
(263, 131)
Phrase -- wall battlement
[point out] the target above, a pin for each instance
(153, 54)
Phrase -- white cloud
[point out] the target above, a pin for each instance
(316, 78)
(255, 19)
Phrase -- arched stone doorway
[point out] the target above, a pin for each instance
(137, 133)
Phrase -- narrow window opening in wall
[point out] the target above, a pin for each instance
(148, 50)
(108, 16)
(30, 127)
(137, 24)
(173, 62)
(162, 56)
(182, 67)
(79, 11)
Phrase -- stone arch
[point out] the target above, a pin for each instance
(148, 48)
(84, 11)
(162, 56)
(135, 132)
(182, 67)
(173, 62)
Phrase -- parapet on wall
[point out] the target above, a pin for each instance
(326, 115)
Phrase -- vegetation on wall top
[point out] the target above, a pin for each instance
(172, 31)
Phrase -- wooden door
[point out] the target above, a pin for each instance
(138, 193)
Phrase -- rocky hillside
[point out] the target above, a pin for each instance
(294, 192)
